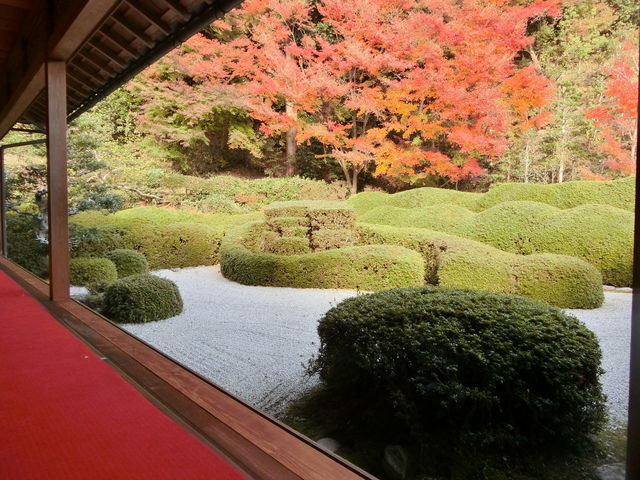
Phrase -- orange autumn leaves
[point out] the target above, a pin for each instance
(412, 87)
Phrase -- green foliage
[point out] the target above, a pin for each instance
(23, 245)
(415, 198)
(277, 244)
(365, 201)
(328, 238)
(558, 280)
(452, 261)
(464, 374)
(507, 226)
(444, 218)
(165, 245)
(128, 262)
(375, 267)
(617, 193)
(599, 234)
(91, 270)
(142, 298)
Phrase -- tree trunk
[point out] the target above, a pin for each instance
(292, 145)
(526, 158)
(354, 181)
(562, 148)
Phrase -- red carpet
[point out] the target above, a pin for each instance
(65, 414)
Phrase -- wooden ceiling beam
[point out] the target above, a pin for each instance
(108, 53)
(120, 20)
(96, 76)
(150, 16)
(102, 67)
(177, 7)
(72, 71)
(117, 39)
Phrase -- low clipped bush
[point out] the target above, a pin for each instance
(90, 270)
(463, 374)
(443, 218)
(452, 261)
(141, 298)
(616, 193)
(599, 234)
(165, 245)
(128, 262)
(507, 226)
(179, 245)
(372, 268)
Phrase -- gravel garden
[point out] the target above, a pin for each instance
(277, 303)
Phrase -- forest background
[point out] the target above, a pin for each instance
(389, 94)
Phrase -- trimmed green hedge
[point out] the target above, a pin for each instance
(173, 245)
(467, 375)
(507, 226)
(599, 234)
(128, 262)
(142, 298)
(88, 271)
(372, 268)
(616, 193)
(443, 218)
(452, 261)
(415, 198)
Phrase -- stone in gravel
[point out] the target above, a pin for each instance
(614, 471)
(396, 462)
(330, 444)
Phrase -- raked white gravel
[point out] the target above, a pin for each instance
(252, 341)
(255, 341)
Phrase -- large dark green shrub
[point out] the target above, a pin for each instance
(91, 270)
(128, 262)
(462, 372)
(375, 267)
(452, 261)
(141, 298)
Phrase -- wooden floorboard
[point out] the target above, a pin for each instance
(256, 444)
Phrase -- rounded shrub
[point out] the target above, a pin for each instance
(365, 201)
(443, 218)
(128, 262)
(426, 196)
(616, 193)
(599, 234)
(141, 298)
(372, 268)
(507, 226)
(179, 245)
(91, 270)
(462, 371)
(452, 261)
(560, 280)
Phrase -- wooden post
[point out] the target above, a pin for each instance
(58, 207)
(633, 424)
(3, 207)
